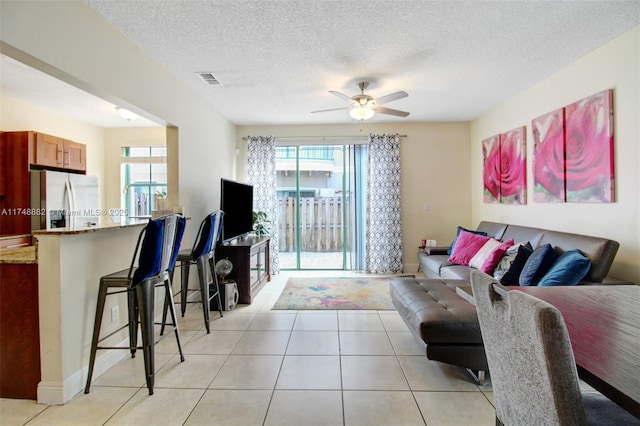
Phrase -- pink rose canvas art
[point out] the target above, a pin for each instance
(548, 157)
(589, 149)
(491, 169)
(513, 167)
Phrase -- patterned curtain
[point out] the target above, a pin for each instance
(261, 173)
(383, 220)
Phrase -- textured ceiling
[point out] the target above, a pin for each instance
(278, 59)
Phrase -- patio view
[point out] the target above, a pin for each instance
(316, 211)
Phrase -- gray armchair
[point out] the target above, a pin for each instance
(531, 362)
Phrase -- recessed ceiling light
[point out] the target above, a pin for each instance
(126, 114)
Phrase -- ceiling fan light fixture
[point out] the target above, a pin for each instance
(126, 114)
(361, 112)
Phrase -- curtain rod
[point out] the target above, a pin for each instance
(321, 137)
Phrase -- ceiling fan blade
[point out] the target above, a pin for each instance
(390, 111)
(332, 109)
(341, 95)
(391, 97)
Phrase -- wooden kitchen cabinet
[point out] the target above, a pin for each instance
(52, 151)
(74, 155)
(19, 331)
(47, 149)
(17, 152)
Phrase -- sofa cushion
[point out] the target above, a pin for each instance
(504, 263)
(570, 267)
(537, 265)
(478, 259)
(451, 271)
(458, 231)
(467, 245)
(489, 255)
(600, 251)
(512, 274)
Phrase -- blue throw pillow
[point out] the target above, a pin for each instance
(512, 276)
(568, 269)
(150, 258)
(460, 229)
(537, 265)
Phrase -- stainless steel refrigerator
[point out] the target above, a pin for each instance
(63, 200)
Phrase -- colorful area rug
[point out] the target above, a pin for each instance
(302, 293)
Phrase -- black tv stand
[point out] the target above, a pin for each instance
(251, 261)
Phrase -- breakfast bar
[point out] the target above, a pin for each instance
(70, 262)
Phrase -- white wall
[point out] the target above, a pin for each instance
(16, 115)
(435, 170)
(75, 44)
(615, 65)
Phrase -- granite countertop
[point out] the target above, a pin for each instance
(81, 229)
(27, 254)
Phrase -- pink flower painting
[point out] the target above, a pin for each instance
(589, 149)
(548, 157)
(491, 169)
(513, 167)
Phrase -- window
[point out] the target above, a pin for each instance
(144, 178)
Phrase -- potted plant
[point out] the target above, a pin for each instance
(261, 223)
(161, 200)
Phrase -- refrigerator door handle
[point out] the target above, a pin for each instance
(72, 203)
(72, 196)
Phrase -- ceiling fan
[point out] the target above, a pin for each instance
(362, 107)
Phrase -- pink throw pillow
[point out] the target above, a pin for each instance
(478, 259)
(494, 257)
(467, 245)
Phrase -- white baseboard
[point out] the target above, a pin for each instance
(58, 393)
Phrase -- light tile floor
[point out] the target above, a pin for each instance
(264, 367)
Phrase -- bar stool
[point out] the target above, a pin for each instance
(202, 253)
(154, 250)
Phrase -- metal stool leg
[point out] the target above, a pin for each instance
(184, 284)
(215, 282)
(204, 289)
(144, 293)
(102, 295)
(166, 304)
(172, 312)
(132, 307)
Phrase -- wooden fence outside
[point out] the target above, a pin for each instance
(321, 224)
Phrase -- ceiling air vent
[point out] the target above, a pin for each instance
(208, 79)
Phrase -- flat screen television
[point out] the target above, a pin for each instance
(236, 201)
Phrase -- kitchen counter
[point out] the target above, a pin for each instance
(71, 262)
(26, 255)
(81, 229)
(29, 254)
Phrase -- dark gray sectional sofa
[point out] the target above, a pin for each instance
(446, 322)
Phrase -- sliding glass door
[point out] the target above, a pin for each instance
(318, 203)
